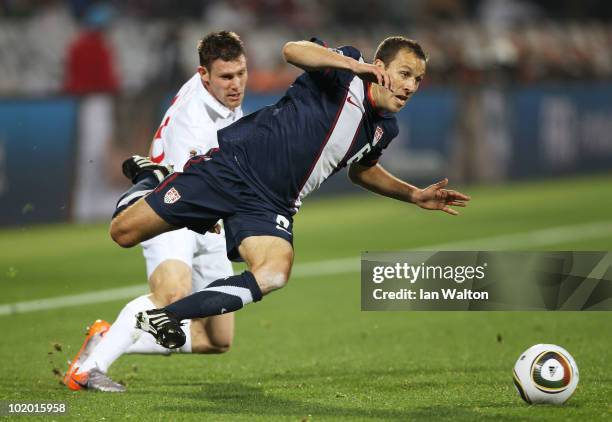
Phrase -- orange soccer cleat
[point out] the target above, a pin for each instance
(94, 334)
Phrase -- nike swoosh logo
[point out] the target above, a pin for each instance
(284, 229)
(350, 100)
(84, 385)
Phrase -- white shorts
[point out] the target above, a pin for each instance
(204, 253)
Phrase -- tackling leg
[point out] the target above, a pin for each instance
(134, 220)
(136, 224)
(269, 259)
(171, 281)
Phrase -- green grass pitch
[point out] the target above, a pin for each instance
(307, 352)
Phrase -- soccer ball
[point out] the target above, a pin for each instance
(545, 373)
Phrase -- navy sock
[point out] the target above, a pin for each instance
(143, 184)
(219, 297)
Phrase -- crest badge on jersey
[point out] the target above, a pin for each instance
(171, 196)
(378, 134)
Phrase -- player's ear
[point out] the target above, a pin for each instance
(204, 74)
(379, 63)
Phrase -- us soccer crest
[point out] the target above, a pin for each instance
(378, 133)
(171, 196)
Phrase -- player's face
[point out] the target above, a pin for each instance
(226, 81)
(405, 71)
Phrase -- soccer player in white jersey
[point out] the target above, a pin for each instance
(179, 262)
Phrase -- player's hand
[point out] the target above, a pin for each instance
(371, 73)
(215, 229)
(435, 197)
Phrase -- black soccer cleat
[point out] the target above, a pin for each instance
(162, 325)
(137, 164)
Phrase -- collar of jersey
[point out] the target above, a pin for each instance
(213, 103)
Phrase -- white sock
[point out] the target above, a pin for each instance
(146, 343)
(121, 335)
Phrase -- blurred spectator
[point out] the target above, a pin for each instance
(90, 65)
(494, 13)
(170, 74)
(444, 10)
(232, 15)
(469, 41)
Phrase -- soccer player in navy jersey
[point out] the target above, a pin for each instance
(339, 113)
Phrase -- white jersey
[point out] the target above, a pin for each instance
(190, 125)
(189, 128)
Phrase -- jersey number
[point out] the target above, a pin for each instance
(282, 223)
(359, 155)
(156, 156)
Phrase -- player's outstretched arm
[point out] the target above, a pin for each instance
(311, 56)
(434, 197)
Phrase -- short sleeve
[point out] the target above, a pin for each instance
(346, 50)
(389, 132)
(337, 75)
(371, 158)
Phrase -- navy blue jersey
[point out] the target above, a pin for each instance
(325, 121)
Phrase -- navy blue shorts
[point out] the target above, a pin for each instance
(209, 189)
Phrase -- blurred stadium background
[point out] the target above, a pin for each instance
(516, 108)
(515, 89)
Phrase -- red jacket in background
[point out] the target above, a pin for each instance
(90, 66)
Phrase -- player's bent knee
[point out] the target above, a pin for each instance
(210, 349)
(221, 348)
(171, 293)
(269, 259)
(214, 337)
(278, 280)
(137, 223)
(172, 297)
(166, 298)
(270, 279)
(217, 348)
(170, 281)
(121, 233)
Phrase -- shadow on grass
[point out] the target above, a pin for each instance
(236, 399)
